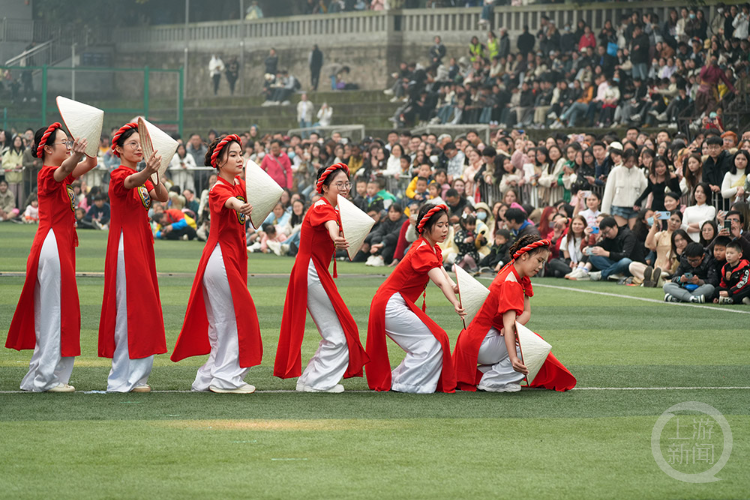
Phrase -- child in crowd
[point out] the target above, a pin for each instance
(81, 221)
(441, 177)
(734, 287)
(465, 240)
(99, 214)
(592, 208)
(434, 192)
(420, 191)
(270, 239)
(695, 280)
(424, 171)
(372, 197)
(719, 252)
(498, 255)
(31, 214)
(8, 208)
(361, 190)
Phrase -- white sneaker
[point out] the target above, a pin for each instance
(388, 91)
(395, 99)
(668, 297)
(62, 388)
(500, 388)
(284, 249)
(336, 389)
(616, 277)
(585, 275)
(370, 260)
(726, 300)
(243, 389)
(595, 276)
(286, 103)
(574, 274)
(746, 301)
(378, 261)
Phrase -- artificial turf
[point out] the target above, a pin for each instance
(587, 443)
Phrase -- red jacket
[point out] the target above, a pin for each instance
(735, 280)
(279, 168)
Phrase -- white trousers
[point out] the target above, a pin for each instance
(495, 363)
(327, 366)
(47, 368)
(420, 370)
(222, 369)
(126, 373)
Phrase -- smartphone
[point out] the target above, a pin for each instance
(586, 194)
(587, 251)
(688, 275)
(728, 225)
(594, 230)
(521, 131)
(664, 215)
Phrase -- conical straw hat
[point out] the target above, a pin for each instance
(355, 225)
(534, 350)
(472, 293)
(263, 193)
(155, 139)
(82, 121)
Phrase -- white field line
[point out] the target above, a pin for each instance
(289, 391)
(644, 299)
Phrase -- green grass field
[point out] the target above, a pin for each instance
(633, 359)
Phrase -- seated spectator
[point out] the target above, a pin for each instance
(571, 249)
(734, 287)
(498, 255)
(385, 238)
(466, 242)
(695, 278)
(99, 214)
(278, 218)
(174, 225)
(660, 242)
(8, 210)
(31, 214)
(617, 249)
(695, 215)
(517, 221)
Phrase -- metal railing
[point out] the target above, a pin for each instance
(342, 129)
(454, 131)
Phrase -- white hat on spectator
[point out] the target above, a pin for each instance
(83, 122)
(616, 146)
(154, 139)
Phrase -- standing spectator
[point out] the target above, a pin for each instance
(254, 11)
(8, 210)
(197, 150)
(304, 115)
(233, 73)
(278, 166)
(707, 97)
(695, 215)
(315, 61)
(717, 164)
(13, 167)
(624, 185)
(640, 47)
(741, 21)
(182, 169)
(525, 42)
(215, 69)
(271, 62)
(437, 53)
(325, 113)
(504, 48)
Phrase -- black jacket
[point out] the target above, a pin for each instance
(715, 170)
(706, 271)
(640, 54)
(525, 43)
(623, 246)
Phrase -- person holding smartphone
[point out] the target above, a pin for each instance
(695, 279)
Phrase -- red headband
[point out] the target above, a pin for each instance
(528, 248)
(117, 135)
(226, 140)
(45, 136)
(429, 214)
(328, 172)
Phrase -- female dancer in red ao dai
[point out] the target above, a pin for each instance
(131, 327)
(221, 319)
(48, 315)
(427, 366)
(311, 287)
(486, 341)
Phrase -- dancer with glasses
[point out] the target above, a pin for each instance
(131, 327)
(340, 353)
(48, 315)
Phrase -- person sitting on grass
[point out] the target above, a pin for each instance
(99, 214)
(518, 223)
(8, 210)
(615, 252)
(734, 287)
(659, 242)
(718, 250)
(695, 280)
(174, 225)
(498, 255)
(571, 249)
(465, 240)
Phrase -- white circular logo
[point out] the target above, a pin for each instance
(691, 443)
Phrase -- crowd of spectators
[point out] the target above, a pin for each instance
(638, 70)
(648, 208)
